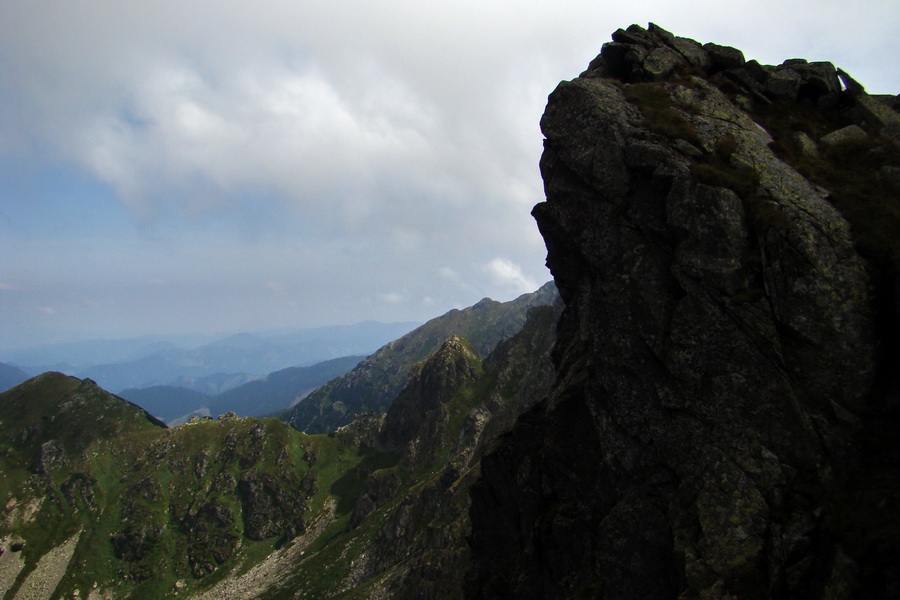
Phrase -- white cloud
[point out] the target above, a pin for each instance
(508, 274)
(327, 148)
(324, 108)
(449, 274)
(392, 297)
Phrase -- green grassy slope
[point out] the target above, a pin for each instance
(157, 510)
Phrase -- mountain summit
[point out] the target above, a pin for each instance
(724, 415)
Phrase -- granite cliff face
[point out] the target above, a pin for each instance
(721, 423)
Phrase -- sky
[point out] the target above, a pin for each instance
(198, 166)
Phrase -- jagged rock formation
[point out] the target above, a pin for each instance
(416, 420)
(372, 386)
(453, 406)
(405, 536)
(727, 357)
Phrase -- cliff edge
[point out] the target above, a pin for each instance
(722, 233)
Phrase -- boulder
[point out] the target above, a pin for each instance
(724, 57)
(844, 134)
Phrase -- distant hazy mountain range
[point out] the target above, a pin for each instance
(11, 375)
(331, 391)
(275, 392)
(207, 366)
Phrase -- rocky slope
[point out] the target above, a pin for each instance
(100, 500)
(721, 426)
(376, 381)
(406, 536)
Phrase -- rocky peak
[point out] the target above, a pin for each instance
(373, 385)
(725, 357)
(420, 507)
(638, 55)
(420, 409)
(484, 303)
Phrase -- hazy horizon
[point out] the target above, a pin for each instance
(190, 340)
(170, 167)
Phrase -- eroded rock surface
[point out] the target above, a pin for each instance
(727, 351)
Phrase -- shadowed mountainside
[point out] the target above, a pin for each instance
(727, 358)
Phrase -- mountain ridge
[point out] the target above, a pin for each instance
(377, 380)
(135, 509)
(261, 396)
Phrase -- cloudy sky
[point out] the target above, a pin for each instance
(184, 166)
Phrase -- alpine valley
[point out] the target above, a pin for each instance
(702, 405)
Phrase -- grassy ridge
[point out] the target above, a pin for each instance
(159, 508)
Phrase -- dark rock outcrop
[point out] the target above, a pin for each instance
(272, 506)
(453, 406)
(51, 455)
(415, 423)
(78, 491)
(211, 537)
(726, 359)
